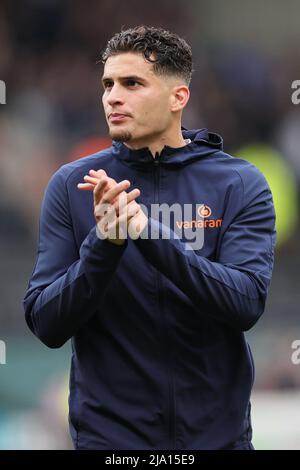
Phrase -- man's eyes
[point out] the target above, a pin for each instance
(132, 83)
(107, 84)
(129, 83)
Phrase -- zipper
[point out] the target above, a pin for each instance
(172, 406)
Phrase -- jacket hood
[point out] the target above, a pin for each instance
(202, 143)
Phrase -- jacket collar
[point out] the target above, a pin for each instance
(202, 143)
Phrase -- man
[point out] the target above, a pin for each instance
(159, 358)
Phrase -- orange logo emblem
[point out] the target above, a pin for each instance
(204, 211)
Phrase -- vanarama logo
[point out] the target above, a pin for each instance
(204, 212)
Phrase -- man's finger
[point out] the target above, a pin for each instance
(95, 181)
(90, 179)
(97, 173)
(86, 186)
(124, 200)
(133, 195)
(101, 173)
(91, 182)
(112, 193)
(99, 189)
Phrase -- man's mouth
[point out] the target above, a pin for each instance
(117, 117)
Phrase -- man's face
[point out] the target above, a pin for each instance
(136, 101)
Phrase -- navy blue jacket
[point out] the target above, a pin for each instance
(159, 357)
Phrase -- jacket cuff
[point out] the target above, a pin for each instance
(98, 251)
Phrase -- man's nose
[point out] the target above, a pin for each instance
(115, 96)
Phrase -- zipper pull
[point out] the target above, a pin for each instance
(156, 159)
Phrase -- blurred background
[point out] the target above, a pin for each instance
(246, 56)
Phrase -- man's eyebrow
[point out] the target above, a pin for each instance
(129, 77)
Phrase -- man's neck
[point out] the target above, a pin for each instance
(157, 146)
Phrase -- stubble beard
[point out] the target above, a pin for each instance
(120, 136)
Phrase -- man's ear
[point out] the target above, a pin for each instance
(179, 97)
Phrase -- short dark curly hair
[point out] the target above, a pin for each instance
(172, 55)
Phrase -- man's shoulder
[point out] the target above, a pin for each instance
(84, 164)
(72, 173)
(245, 171)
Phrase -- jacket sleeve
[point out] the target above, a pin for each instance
(66, 287)
(232, 289)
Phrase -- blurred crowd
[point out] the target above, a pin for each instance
(48, 59)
